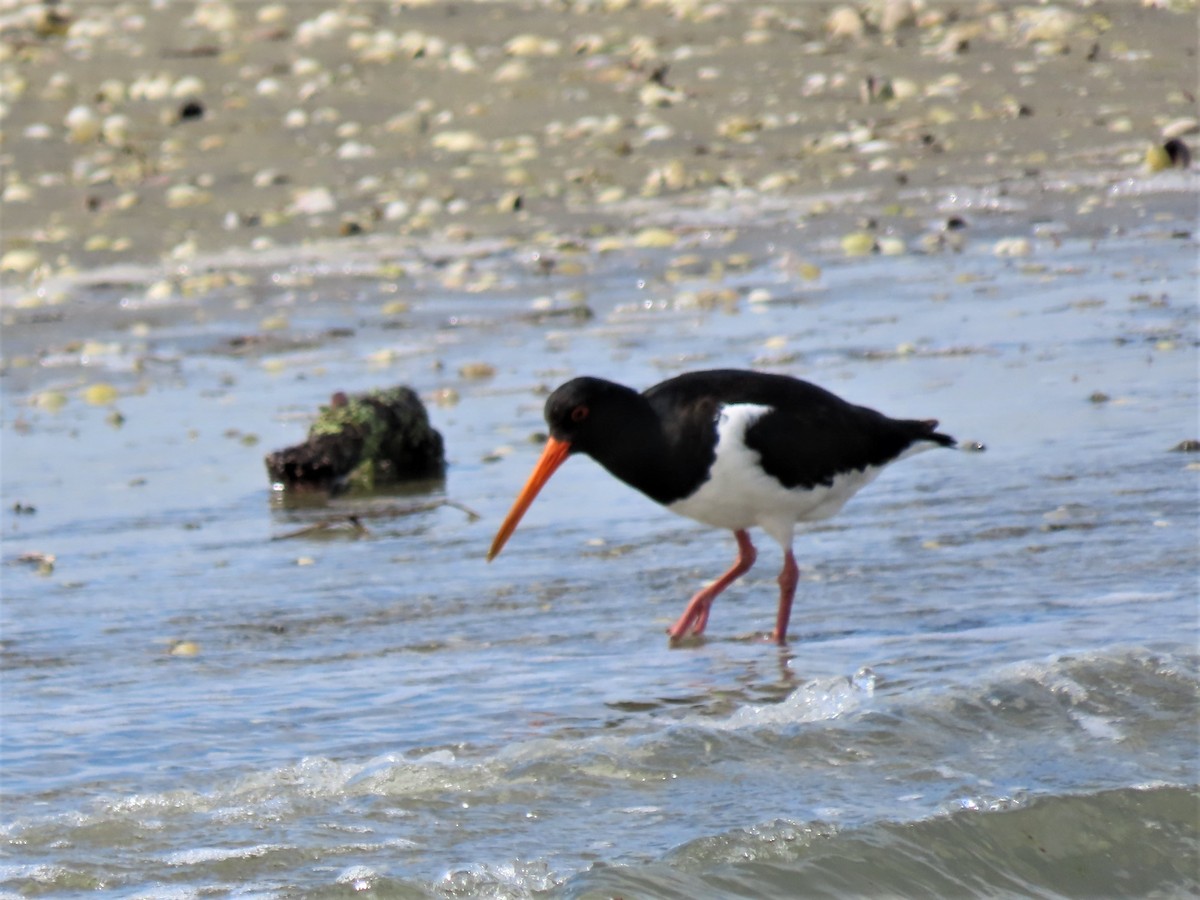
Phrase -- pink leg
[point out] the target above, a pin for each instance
(695, 616)
(788, 576)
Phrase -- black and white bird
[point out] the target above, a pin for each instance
(730, 448)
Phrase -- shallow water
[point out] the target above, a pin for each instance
(991, 682)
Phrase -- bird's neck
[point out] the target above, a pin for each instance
(644, 458)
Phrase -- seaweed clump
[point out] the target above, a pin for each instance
(362, 443)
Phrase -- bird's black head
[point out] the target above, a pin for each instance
(585, 415)
(587, 412)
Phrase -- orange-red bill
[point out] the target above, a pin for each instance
(553, 455)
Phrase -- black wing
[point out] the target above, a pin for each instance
(808, 437)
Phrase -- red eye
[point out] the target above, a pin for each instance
(579, 413)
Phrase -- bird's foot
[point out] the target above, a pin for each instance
(691, 624)
(684, 629)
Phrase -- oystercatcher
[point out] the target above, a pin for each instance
(730, 448)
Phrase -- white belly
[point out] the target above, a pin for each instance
(739, 494)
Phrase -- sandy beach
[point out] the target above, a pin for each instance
(217, 215)
(164, 133)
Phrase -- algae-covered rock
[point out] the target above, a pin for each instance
(363, 442)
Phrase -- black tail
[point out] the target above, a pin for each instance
(928, 433)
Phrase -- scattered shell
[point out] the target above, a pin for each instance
(277, 322)
(512, 71)
(43, 561)
(115, 130)
(776, 181)
(183, 648)
(17, 192)
(671, 176)
(1050, 23)
(1180, 127)
(462, 60)
(845, 22)
(312, 202)
(180, 196)
(1013, 246)
(272, 14)
(355, 150)
(738, 127)
(216, 16)
(859, 243)
(151, 88)
(904, 89)
(20, 261)
(49, 400)
(446, 396)
(654, 94)
(510, 201)
(82, 124)
(527, 45)
(458, 142)
(100, 394)
(651, 238)
(187, 87)
(477, 370)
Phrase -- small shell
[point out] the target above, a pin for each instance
(82, 124)
(527, 45)
(52, 401)
(1180, 127)
(215, 16)
(187, 87)
(17, 192)
(115, 130)
(845, 22)
(859, 243)
(20, 261)
(100, 394)
(477, 370)
(653, 94)
(151, 87)
(181, 196)
(1013, 246)
(458, 142)
(511, 71)
(312, 202)
(651, 238)
(738, 126)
